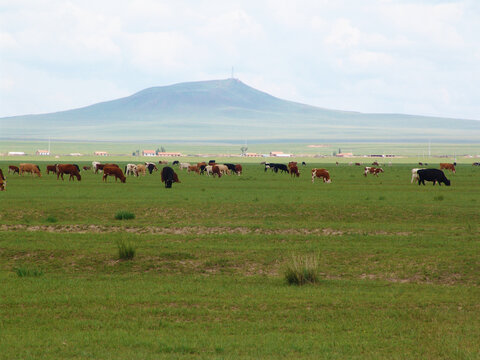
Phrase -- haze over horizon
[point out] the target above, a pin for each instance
(375, 56)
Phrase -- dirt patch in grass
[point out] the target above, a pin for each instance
(191, 230)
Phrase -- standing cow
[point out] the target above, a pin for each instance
(434, 175)
(169, 176)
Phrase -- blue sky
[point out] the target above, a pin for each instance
(379, 56)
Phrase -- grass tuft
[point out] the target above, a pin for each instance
(51, 219)
(124, 215)
(126, 250)
(27, 272)
(302, 270)
(438, 198)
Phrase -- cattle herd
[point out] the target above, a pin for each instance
(169, 176)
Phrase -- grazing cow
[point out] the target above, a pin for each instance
(52, 168)
(292, 163)
(176, 162)
(95, 169)
(448, 166)
(476, 164)
(30, 168)
(193, 168)
(3, 182)
(304, 163)
(151, 167)
(358, 164)
(294, 171)
(216, 171)
(230, 167)
(415, 174)
(169, 176)
(434, 175)
(223, 169)
(207, 169)
(69, 169)
(267, 166)
(282, 167)
(163, 162)
(375, 163)
(110, 170)
(238, 169)
(13, 169)
(87, 168)
(141, 169)
(131, 169)
(372, 170)
(321, 173)
(184, 166)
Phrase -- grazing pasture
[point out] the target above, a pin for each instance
(398, 266)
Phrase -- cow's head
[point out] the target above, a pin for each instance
(447, 182)
(328, 181)
(168, 183)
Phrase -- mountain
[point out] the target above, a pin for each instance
(228, 110)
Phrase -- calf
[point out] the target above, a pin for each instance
(434, 175)
(294, 171)
(13, 169)
(415, 175)
(169, 176)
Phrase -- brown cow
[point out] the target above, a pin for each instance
(372, 170)
(447, 166)
(100, 167)
(293, 170)
(375, 163)
(111, 170)
(238, 169)
(292, 163)
(193, 168)
(321, 173)
(3, 182)
(87, 167)
(14, 169)
(52, 168)
(30, 168)
(69, 169)
(141, 169)
(216, 171)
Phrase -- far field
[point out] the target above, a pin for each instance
(399, 266)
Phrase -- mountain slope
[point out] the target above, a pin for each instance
(227, 110)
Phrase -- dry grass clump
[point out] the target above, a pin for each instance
(302, 270)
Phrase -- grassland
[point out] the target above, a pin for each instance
(399, 267)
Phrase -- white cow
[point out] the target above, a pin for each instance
(131, 169)
(415, 175)
(184, 166)
(94, 166)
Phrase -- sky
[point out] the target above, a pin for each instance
(373, 56)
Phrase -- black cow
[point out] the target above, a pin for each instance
(176, 162)
(231, 167)
(211, 162)
(169, 176)
(282, 167)
(304, 163)
(476, 164)
(434, 175)
(151, 167)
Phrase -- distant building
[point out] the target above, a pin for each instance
(76, 154)
(16, 153)
(42, 152)
(279, 154)
(148, 153)
(253, 155)
(100, 153)
(169, 154)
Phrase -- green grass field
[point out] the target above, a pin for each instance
(399, 266)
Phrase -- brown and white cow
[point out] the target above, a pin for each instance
(447, 166)
(215, 171)
(321, 173)
(113, 171)
(3, 182)
(30, 168)
(13, 169)
(68, 169)
(372, 170)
